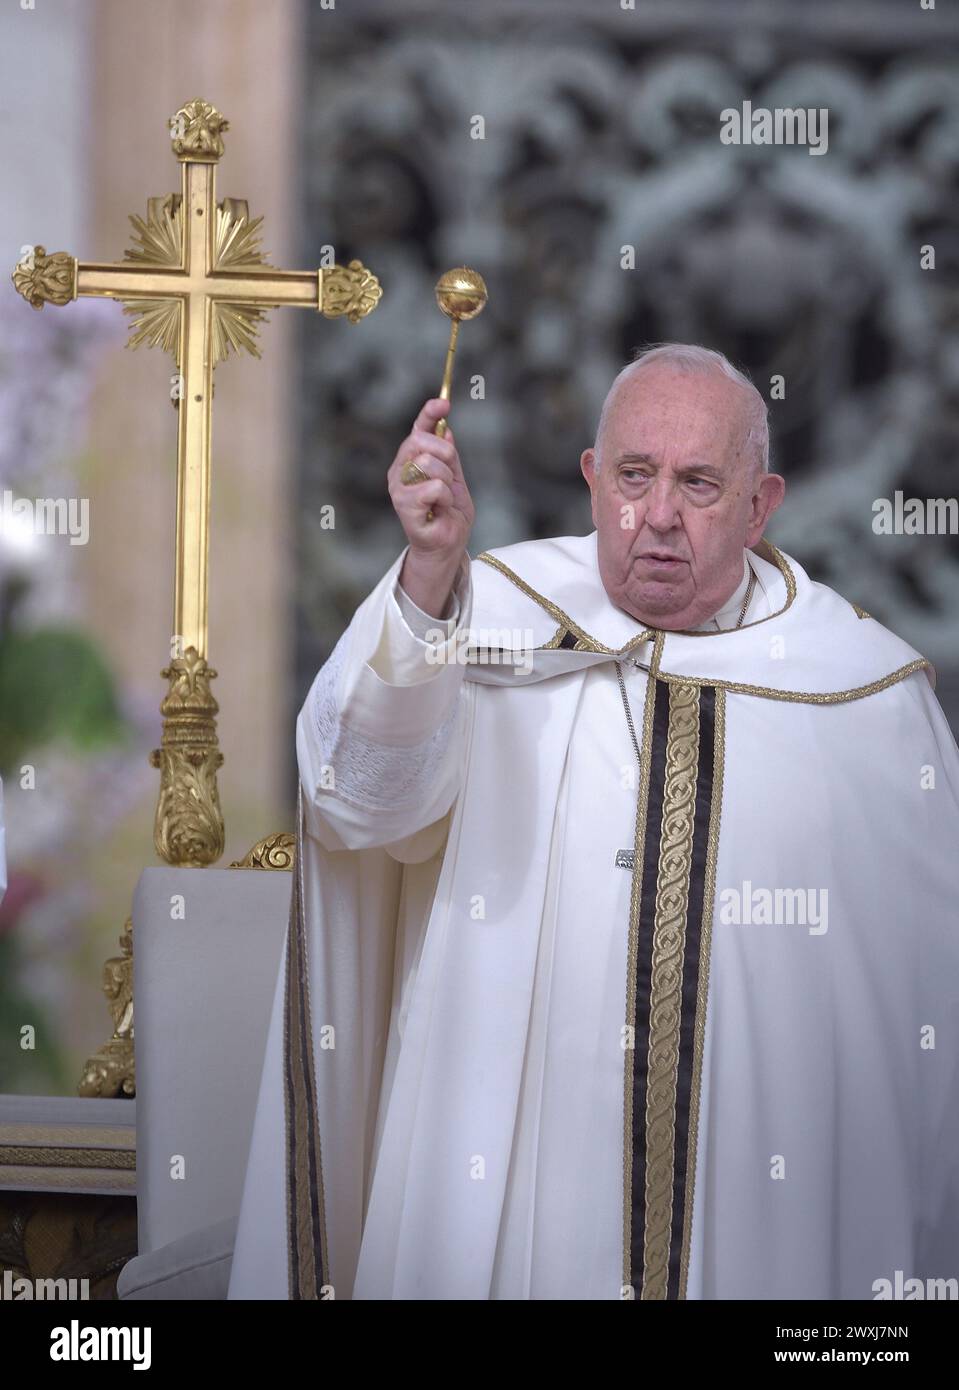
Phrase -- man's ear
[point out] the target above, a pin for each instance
(587, 464)
(769, 496)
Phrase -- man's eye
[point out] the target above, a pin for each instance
(632, 473)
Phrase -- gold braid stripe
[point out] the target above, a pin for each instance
(665, 1001)
(702, 991)
(636, 895)
(308, 1265)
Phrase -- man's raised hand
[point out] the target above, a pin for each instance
(445, 493)
(437, 546)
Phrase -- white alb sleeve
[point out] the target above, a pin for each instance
(411, 639)
(380, 735)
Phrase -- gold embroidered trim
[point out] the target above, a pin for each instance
(586, 643)
(636, 894)
(702, 991)
(666, 975)
(307, 1265)
(799, 696)
(782, 564)
(860, 612)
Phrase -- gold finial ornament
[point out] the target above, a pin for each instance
(43, 279)
(461, 294)
(197, 131)
(350, 291)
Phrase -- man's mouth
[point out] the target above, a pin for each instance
(660, 560)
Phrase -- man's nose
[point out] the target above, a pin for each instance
(662, 506)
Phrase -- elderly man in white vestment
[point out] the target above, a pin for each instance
(623, 958)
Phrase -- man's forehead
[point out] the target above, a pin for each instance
(660, 391)
(647, 434)
(700, 408)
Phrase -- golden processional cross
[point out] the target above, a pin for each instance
(197, 286)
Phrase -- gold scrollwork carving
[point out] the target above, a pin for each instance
(350, 290)
(272, 852)
(197, 132)
(45, 279)
(111, 1071)
(189, 823)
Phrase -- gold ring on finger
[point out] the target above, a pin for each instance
(411, 473)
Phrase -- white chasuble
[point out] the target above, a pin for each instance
(560, 1022)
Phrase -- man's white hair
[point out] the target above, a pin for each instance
(687, 357)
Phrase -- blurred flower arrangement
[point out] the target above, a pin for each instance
(71, 746)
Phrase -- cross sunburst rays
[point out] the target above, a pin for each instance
(159, 242)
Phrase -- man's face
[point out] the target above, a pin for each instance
(676, 499)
